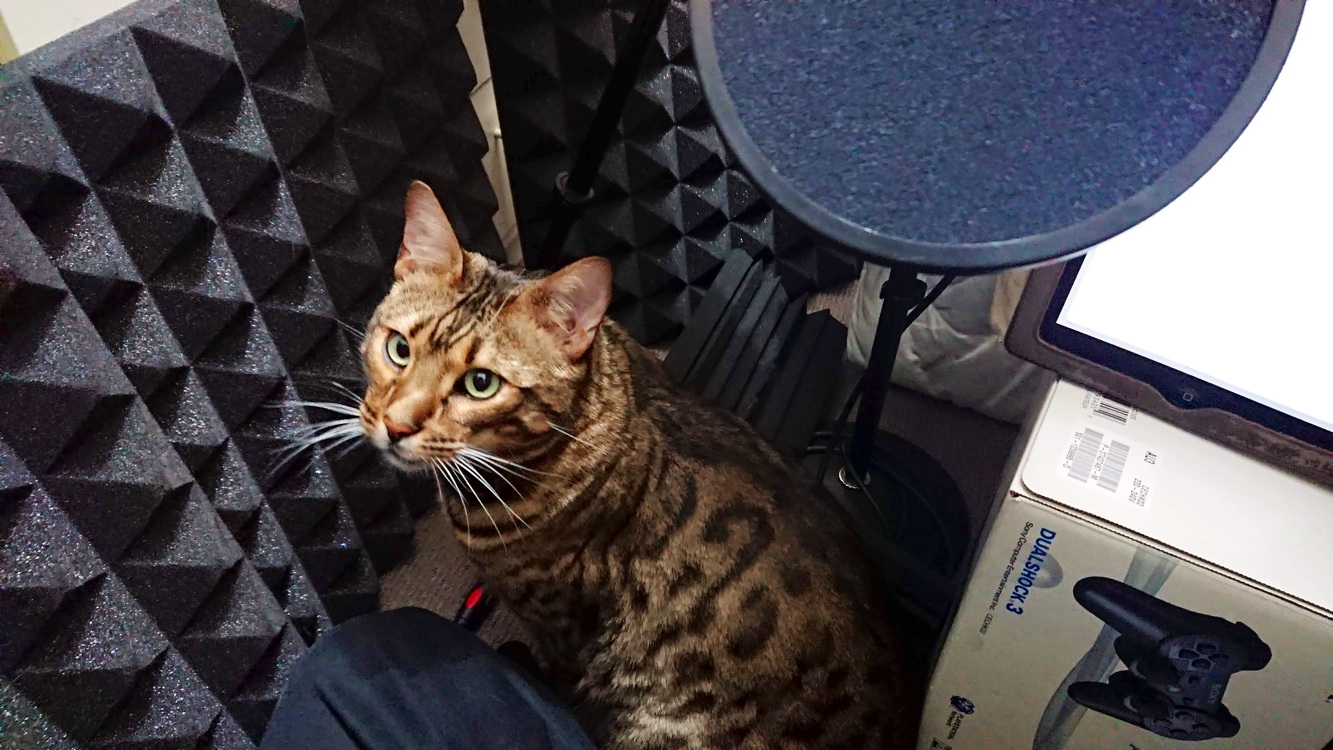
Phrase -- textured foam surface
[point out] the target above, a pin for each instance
(669, 207)
(972, 121)
(194, 196)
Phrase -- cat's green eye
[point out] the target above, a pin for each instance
(398, 350)
(481, 384)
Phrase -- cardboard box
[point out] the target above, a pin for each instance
(1140, 589)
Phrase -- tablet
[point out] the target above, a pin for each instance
(1217, 312)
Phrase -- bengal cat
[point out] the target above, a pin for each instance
(687, 586)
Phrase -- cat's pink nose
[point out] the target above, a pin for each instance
(397, 431)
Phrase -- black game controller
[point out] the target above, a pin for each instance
(1179, 663)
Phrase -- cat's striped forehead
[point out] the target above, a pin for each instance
(427, 309)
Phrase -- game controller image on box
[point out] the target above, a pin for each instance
(1178, 663)
(1125, 646)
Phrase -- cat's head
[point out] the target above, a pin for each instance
(464, 354)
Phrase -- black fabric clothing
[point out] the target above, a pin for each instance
(409, 679)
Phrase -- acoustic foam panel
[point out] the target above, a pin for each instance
(200, 203)
(669, 207)
(751, 349)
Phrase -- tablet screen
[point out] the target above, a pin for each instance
(1232, 283)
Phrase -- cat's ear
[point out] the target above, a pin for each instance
(571, 303)
(429, 243)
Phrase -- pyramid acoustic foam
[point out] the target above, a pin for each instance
(200, 202)
(669, 205)
(752, 349)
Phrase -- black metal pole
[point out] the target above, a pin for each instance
(575, 186)
(900, 293)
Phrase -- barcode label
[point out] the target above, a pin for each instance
(1113, 466)
(1085, 455)
(1109, 409)
(1106, 460)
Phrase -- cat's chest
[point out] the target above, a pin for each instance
(547, 586)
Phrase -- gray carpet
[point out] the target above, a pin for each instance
(438, 576)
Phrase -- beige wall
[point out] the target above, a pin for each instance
(7, 49)
(32, 23)
(483, 98)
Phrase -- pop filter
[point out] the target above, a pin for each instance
(973, 135)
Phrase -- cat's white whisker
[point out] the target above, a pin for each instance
(451, 475)
(441, 470)
(332, 406)
(512, 466)
(462, 480)
(345, 445)
(318, 428)
(359, 334)
(463, 477)
(496, 461)
(467, 466)
(357, 398)
(297, 445)
(316, 435)
(571, 435)
(500, 466)
(282, 461)
(482, 463)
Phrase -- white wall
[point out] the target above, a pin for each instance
(32, 23)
